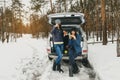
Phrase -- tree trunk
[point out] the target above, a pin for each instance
(118, 28)
(65, 5)
(97, 22)
(51, 6)
(118, 38)
(118, 41)
(103, 15)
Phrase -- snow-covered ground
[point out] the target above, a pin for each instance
(27, 59)
(19, 59)
(105, 61)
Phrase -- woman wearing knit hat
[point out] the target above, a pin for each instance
(57, 34)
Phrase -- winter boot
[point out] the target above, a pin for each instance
(70, 71)
(59, 68)
(54, 66)
(75, 69)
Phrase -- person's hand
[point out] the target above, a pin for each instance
(72, 37)
(56, 25)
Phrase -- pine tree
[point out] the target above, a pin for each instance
(103, 15)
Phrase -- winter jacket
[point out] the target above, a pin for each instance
(75, 44)
(66, 40)
(57, 35)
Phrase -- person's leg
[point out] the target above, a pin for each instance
(59, 49)
(59, 65)
(76, 54)
(56, 47)
(59, 54)
(54, 62)
(71, 57)
(54, 66)
(75, 66)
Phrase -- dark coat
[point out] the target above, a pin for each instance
(57, 34)
(75, 44)
(66, 41)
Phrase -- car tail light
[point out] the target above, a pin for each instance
(48, 50)
(85, 51)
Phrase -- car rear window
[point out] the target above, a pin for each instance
(67, 20)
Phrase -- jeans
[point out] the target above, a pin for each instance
(59, 51)
(72, 56)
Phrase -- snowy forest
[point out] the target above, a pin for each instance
(102, 17)
(25, 31)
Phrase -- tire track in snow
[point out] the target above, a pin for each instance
(42, 61)
(32, 68)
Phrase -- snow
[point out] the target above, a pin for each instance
(105, 61)
(27, 59)
(15, 55)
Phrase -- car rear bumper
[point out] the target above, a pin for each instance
(66, 57)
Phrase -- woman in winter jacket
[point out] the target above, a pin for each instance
(74, 51)
(57, 34)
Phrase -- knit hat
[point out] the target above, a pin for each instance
(57, 21)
